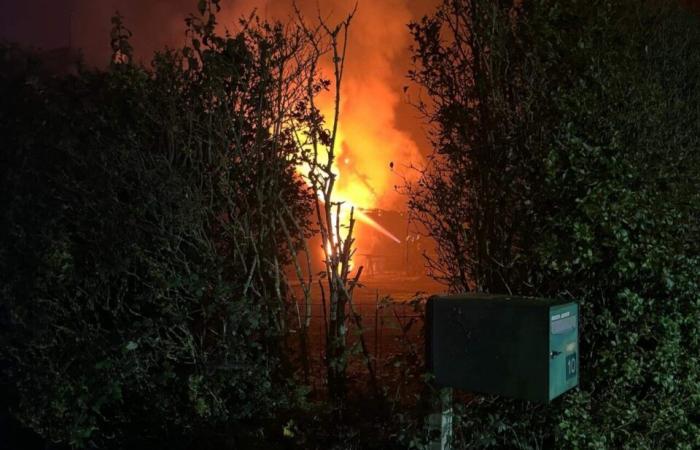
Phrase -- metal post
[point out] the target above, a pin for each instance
(440, 421)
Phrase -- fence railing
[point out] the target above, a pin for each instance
(392, 331)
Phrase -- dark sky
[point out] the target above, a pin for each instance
(39, 23)
(50, 24)
(85, 24)
(47, 23)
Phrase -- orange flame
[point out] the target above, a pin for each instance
(369, 139)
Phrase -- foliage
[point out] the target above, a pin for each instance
(566, 164)
(141, 243)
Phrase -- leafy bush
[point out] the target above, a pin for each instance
(566, 164)
(141, 239)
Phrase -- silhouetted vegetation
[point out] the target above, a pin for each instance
(141, 243)
(566, 164)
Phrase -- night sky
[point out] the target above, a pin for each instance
(38, 23)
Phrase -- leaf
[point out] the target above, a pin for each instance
(288, 430)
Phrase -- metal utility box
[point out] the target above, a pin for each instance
(519, 347)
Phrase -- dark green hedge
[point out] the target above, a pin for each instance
(140, 243)
(570, 167)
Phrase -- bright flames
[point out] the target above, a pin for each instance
(368, 141)
(354, 188)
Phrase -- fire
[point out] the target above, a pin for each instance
(353, 196)
(369, 139)
(363, 177)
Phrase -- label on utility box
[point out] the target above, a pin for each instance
(563, 323)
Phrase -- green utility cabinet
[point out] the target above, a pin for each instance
(518, 347)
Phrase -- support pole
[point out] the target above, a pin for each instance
(440, 421)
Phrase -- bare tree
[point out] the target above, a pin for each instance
(335, 219)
